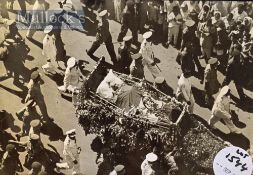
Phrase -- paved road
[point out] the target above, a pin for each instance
(62, 110)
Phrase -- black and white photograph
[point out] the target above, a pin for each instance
(126, 87)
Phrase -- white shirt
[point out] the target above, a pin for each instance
(70, 148)
(71, 77)
(184, 87)
(237, 15)
(222, 104)
(147, 52)
(49, 48)
(146, 169)
(171, 19)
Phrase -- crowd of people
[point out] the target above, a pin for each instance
(219, 32)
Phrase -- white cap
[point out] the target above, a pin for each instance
(224, 90)
(102, 13)
(127, 38)
(72, 131)
(71, 62)
(151, 157)
(8, 42)
(48, 29)
(189, 23)
(147, 35)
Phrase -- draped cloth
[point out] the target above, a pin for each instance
(128, 97)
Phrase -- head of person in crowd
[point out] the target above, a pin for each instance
(34, 139)
(225, 91)
(103, 15)
(36, 125)
(71, 134)
(184, 7)
(11, 149)
(230, 17)
(217, 15)
(36, 167)
(35, 77)
(193, 2)
(237, 49)
(213, 63)
(120, 169)
(248, 23)
(128, 41)
(234, 37)
(173, 171)
(148, 36)
(130, 5)
(72, 62)
(240, 8)
(176, 10)
(137, 58)
(49, 30)
(246, 36)
(239, 25)
(11, 25)
(220, 26)
(171, 1)
(187, 73)
(190, 26)
(206, 9)
(151, 158)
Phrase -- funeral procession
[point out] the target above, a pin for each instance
(126, 87)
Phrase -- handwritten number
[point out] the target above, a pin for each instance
(243, 167)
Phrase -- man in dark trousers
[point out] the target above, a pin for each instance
(236, 71)
(124, 59)
(10, 164)
(129, 21)
(189, 36)
(103, 36)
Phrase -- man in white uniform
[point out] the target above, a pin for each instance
(147, 164)
(49, 48)
(184, 91)
(221, 110)
(71, 153)
(72, 74)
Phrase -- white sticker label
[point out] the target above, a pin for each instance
(232, 161)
